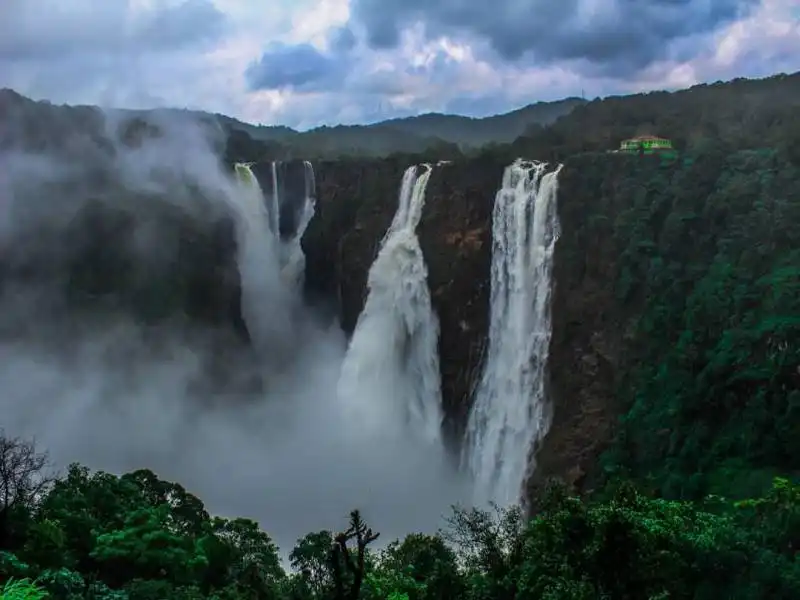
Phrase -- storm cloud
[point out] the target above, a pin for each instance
(50, 29)
(284, 66)
(342, 39)
(114, 53)
(306, 63)
(615, 37)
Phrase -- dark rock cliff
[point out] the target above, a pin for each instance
(589, 340)
(356, 204)
(591, 328)
(96, 255)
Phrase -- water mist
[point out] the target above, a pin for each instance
(119, 394)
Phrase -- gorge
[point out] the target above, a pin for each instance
(141, 327)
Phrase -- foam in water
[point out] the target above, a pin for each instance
(390, 377)
(511, 414)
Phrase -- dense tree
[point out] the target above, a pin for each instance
(118, 540)
(311, 559)
(700, 498)
(708, 265)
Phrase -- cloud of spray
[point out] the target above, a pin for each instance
(117, 395)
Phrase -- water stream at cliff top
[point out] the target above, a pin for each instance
(510, 415)
(390, 377)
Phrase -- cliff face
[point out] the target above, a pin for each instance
(456, 238)
(588, 348)
(356, 204)
(657, 265)
(591, 327)
(97, 257)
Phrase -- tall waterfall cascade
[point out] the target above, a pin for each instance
(263, 209)
(275, 202)
(269, 267)
(293, 261)
(390, 376)
(510, 415)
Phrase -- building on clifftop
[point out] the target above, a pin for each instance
(648, 144)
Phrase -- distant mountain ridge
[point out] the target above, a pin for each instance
(409, 134)
(479, 131)
(457, 129)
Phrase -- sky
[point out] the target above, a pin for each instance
(305, 63)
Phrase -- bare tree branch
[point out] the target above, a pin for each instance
(24, 473)
(340, 552)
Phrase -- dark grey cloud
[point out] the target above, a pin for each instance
(618, 37)
(109, 52)
(342, 39)
(292, 66)
(32, 30)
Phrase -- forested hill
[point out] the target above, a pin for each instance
(740, 113)
(412, 134)
(471, 132)
(722, 111)
(674, 372)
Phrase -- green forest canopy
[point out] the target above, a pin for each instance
(700, 496)
(135, 536)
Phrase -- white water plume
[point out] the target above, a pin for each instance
(113, 393)
(268, 214)
(391, 371)
(294, 260)
(511, 415)
(274, 202)
(258, 248)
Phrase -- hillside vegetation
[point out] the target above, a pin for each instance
(100, 536)
(411, 134)
(675, 368)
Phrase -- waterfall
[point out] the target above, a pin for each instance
(511, 415)
(359, 420)
(258, 262)
(275, 202)
(294, 261)
(390, 377)
(265, 210)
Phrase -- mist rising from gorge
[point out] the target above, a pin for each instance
(95, 384)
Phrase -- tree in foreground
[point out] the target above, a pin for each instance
(24, 480)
